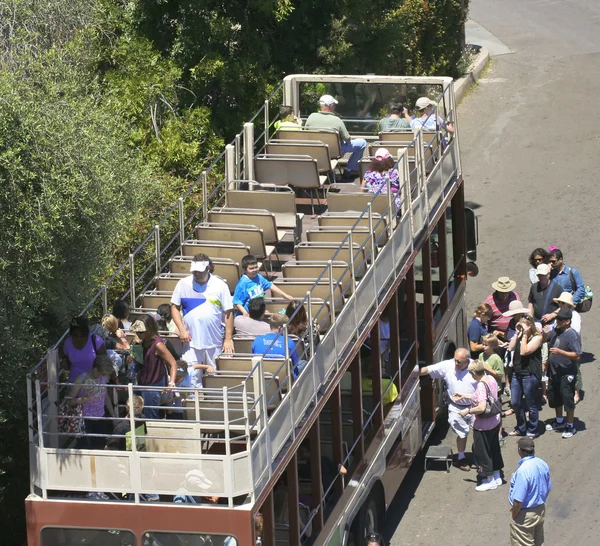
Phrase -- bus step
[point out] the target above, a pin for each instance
(427, 429)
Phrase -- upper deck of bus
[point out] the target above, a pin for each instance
(340, 264)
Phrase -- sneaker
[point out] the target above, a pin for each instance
(532, 435)
(507, 391)
(487, 486)
(569, 432)
(556, 426)
(498, 481)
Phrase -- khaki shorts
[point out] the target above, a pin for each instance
(200, 356)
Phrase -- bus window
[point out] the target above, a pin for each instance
(87, 537)
(162, 538)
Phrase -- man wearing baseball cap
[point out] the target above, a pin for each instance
(426, 119)
(542, 306)
(200, 304)
(326, 119)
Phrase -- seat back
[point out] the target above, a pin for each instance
(360, 235)
(329, 137)
(209, 407)
(298, 288)
(395, 148)
(349, 219)
(173, 437)
(250, 236)
(346, 202)
(230, 250)
(225, 268)
(315, 149)
(327, 251)
(297, 171)
(153, 298)
(396, 136)
(244, 363)
(261, 218)
(313, 270)
(231, 380)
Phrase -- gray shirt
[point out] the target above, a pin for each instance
(246, 326)
(328, 120)
(394, 124)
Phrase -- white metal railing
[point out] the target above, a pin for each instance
(269, 431)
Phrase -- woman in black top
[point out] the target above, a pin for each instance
(527, 376)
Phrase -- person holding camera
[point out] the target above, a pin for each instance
(526, 381)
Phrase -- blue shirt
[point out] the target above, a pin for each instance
(247, 289)
(563, 279)
(475, 332)
(531, 483)
(261, 347)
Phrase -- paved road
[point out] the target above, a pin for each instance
(530, 137)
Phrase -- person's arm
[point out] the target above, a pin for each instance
(496, 375)
(276, 290)
(242, 310)
(228, 341)
(475, 346)
(74, 392)
(363, 183)
(424, 370)
(166, 356)
(101, 350)
(122, 343)
(515, 508)
(475, 410)
(240, 297)
(184, 335)
(579, 293)
(406, 115)
(512, 344)
(531, 346)
(569, 354)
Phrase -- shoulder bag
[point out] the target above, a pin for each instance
(586, 304)
(493, 406)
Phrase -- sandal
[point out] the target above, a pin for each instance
(515, 433)
(508, 412)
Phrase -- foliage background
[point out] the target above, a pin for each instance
(109, 109)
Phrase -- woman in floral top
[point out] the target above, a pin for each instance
(382, 168)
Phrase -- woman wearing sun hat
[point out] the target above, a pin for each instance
(499, 300)
(382, 169)
(565, 300)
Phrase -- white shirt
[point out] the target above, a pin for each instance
(457, 381)
(203, 308)
(576, 322)
(432, 123)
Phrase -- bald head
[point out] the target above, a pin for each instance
(461, 358)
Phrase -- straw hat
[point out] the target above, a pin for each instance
(504, 284)
(515, 308)
(567, 298)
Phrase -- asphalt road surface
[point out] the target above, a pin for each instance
(530, 140)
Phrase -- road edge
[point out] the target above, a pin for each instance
(462, 85)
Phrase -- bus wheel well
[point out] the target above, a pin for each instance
(371, 515)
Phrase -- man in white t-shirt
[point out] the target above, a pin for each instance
(200, 304)
(457, 379)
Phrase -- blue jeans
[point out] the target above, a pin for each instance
(152, 398)
(524, 396)
(357, 147)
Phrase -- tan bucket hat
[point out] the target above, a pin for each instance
(567, 298)
(504, 284)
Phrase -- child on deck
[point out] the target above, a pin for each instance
(253, 285)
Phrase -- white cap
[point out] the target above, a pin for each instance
(327, 100)
(199, 266)
(423, 103)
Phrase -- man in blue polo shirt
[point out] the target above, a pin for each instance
(530, 486)
(273, 343)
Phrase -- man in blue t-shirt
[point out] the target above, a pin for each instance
(253, 285)
(272, 344)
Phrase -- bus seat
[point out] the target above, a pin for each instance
(250, 236)
(329, 137)
(232, 250)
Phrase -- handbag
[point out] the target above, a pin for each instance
(70, 419)
(493, 406)
(586, 303)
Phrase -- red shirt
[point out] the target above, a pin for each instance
(498, 322)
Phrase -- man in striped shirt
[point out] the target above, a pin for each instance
(499, 300)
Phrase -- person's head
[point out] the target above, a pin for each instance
(79, 327)
(110, 323)
(565, 301)
(145, 328)
(490, 343)
(382, 161)
(277, 322)
(503, 287)
(538, 256)
(563, 319)
(327, 103)
(120, 309)
(138, 405)
(396, 108)
(556, 259)
(528, 322)
(461, 359)
(526, 447)
(182, 370)
(476, 369)
(483, 312)
(374, 539)
(258, 524)
(424, 105)
(201, 268)
(103, 365)
(286, 113)
(164, 310)
(250, 266)
(298, 324)
(543, 274)
(516, 310)
(257, 308)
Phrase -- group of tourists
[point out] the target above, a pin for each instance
(531, 353)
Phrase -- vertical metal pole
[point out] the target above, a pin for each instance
(372, 231)
(310, 324)
(337, 435)
(230, 161)
(204, 196)
(181, 221)
(157, 249)
(357, 408)
(376, 379)
(135, 471)
(228, 482)
(132, 279)
(237, 152)
(331, 289)
(105, 300)
(391, 209)
(293, 507)
(352, 270)
(316, 478)
(43, 471)
(248, 151)
(394, 318)
(267, 121)
(52, 365)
